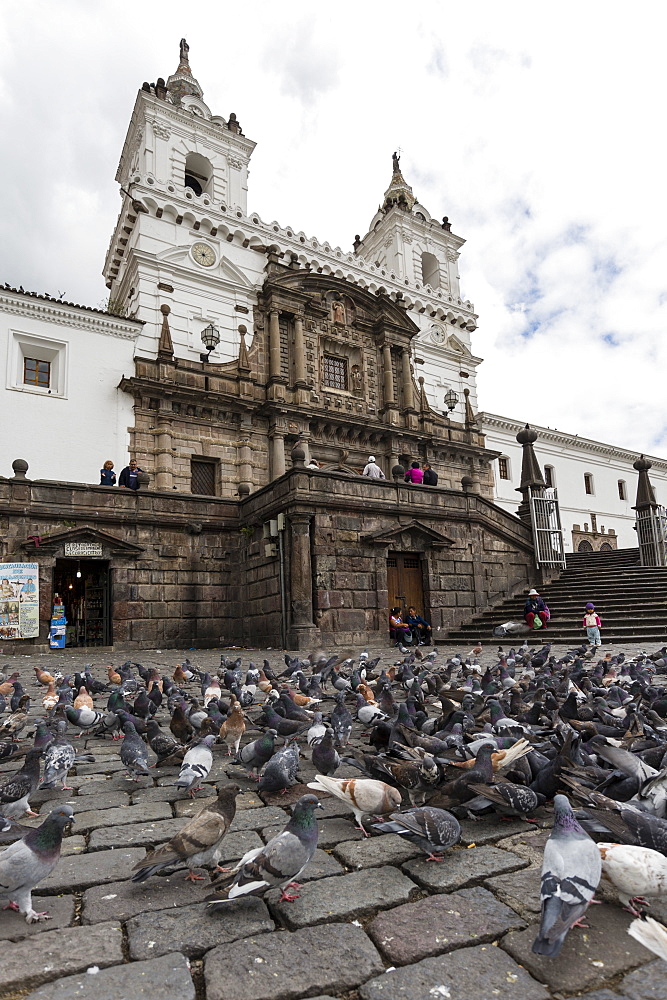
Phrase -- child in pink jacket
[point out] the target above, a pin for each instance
(592, 624)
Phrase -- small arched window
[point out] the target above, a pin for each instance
(588, 484)
(549, 476)
(584, 546)
(430, 270)
(198, 173)
(622, 492)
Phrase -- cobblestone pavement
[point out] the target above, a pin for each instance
(374, 920)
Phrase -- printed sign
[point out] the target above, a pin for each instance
(19, 600)
(83, 549)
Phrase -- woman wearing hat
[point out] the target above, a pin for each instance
(535, 607)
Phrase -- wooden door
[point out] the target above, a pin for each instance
(404, 581)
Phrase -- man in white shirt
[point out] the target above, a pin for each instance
(372, 470)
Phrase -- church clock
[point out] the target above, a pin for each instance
(203, 254)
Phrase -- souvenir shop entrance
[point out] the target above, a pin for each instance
(84, 586)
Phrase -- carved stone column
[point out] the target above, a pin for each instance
(164, 459)
(274, 344)
(408, 392)
(277, 455)
(302, 632)
(300, 379)
(388, 375)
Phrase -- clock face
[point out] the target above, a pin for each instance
(203, 254)
(438, 334)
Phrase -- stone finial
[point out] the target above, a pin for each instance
(143, 479)
(469, 412)
(244, 490)
(298, 456)
(645, 491)
(398, 473)
(532, 480)
(182, 83)
(527, 435)
(244, 363)
(20, 467)
(467, 483)
(165, 348)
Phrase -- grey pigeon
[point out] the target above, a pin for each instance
(133, 751)
(198, 843)
(28, 861)
(434, 830)
(506, 798)
(253, 756)
(83, 718)
(325, 756)
(162, 744)
(280, 773)
(58, 760)
(196, 765)
(279, 863)
(341, 721)
(317, 730)
(17, 789)
(571, 873)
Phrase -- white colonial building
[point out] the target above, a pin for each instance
(60, 365)
(596, 482)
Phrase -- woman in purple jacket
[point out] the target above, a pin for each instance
(414, 475)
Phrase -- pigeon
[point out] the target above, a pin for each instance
(134, 752)
(161, 743)
(571, 872)
(341, 721)
(83, 718)
(317, 730)
(281, 771)
(325, 756)
(278, 863)
(635, 871)
(507, 799)
(362, 795)
(253, 756)
(198, 843)
(232, 729)
(58, 759)
(651, 934)
(26, 862)
(196, 765)
(434, 830)
(17, 789)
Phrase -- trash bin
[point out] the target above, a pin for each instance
(57, 633)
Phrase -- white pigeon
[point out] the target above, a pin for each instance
(651, 934)
(196, 766)
(635, 871)
(362, 795)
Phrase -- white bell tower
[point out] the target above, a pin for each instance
(183, 176)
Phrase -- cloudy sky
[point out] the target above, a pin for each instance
(538, 128)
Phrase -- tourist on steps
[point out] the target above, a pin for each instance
(535, 608)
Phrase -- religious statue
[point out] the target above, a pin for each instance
(338, 312)
(395, 159)
(355, 376)
(184, 49)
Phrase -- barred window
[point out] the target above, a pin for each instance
(335, 372)
(503, 468)
(203, 477)
(37, 372)
(549, 476)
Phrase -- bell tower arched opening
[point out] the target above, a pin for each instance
(198, 173)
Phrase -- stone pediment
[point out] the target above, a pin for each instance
(109, 544)
(412, 536)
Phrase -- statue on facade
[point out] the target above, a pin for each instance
(338, 312)
(395, 161)
(355, 376)
(184, 49)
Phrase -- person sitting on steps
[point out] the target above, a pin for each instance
(535, 607)
(420, 627)
(398, 630)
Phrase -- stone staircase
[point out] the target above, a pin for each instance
(630, 599)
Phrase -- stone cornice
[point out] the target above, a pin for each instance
(491, 421)
(68, 314)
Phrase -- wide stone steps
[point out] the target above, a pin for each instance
(630, 599)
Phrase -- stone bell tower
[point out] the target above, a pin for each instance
(183, 176)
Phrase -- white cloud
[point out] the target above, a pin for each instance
(536, 128)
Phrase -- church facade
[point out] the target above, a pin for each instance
(255, 350)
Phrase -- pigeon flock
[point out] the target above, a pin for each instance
(411, 743)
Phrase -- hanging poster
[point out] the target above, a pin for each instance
(19, 600)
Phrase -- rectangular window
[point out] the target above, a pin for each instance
(335, 372)
(548, 476)
(621, 490)
(203, 476)
(37, 372)
(503, 468)
(588, 483)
